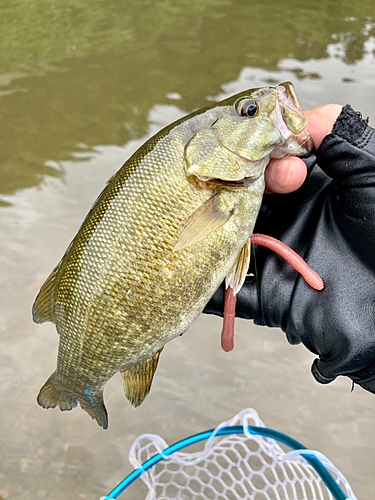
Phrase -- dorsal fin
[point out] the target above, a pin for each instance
(138, 380)
(43, 308)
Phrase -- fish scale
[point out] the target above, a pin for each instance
(167, 229)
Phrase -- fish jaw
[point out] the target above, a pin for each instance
(289, 118)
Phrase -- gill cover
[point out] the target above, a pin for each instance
(236, 146)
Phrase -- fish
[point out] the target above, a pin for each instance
(167, 229)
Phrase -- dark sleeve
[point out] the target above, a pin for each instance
(330, 222)
(347, 155)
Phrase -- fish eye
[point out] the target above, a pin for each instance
(247, 107)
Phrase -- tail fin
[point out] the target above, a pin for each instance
(94, 405)
(52, 395)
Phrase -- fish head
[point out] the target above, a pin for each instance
(247, 130)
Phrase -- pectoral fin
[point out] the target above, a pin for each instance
(138, 380)
(209, 217)
(237, 275)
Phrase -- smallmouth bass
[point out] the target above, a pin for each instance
(168, 228)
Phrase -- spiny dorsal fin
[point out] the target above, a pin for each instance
(138, 380)
(209, 217)
(237, 275)
(44, 303)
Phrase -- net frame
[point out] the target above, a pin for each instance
(237, 462)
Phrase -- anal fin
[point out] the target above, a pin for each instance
(138, 380)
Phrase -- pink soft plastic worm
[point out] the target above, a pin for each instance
(311, 277)
(227, 333)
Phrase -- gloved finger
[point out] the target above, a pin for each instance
(365, 377)
(318, 369)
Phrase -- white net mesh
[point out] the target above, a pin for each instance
(233, 467)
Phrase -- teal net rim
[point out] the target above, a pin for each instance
(309, 455)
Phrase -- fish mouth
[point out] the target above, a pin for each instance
(305, 143)
(289, 118)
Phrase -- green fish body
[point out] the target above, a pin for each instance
(165, 232)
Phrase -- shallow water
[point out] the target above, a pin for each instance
(82, 86)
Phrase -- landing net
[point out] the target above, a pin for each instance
(241, 459)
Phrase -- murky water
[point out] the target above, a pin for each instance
(84, 84)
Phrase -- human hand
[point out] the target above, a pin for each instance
(329, 221)
(288, 174)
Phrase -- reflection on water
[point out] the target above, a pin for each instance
(82, 86)
(79, 73)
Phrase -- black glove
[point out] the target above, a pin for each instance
(330, 222)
